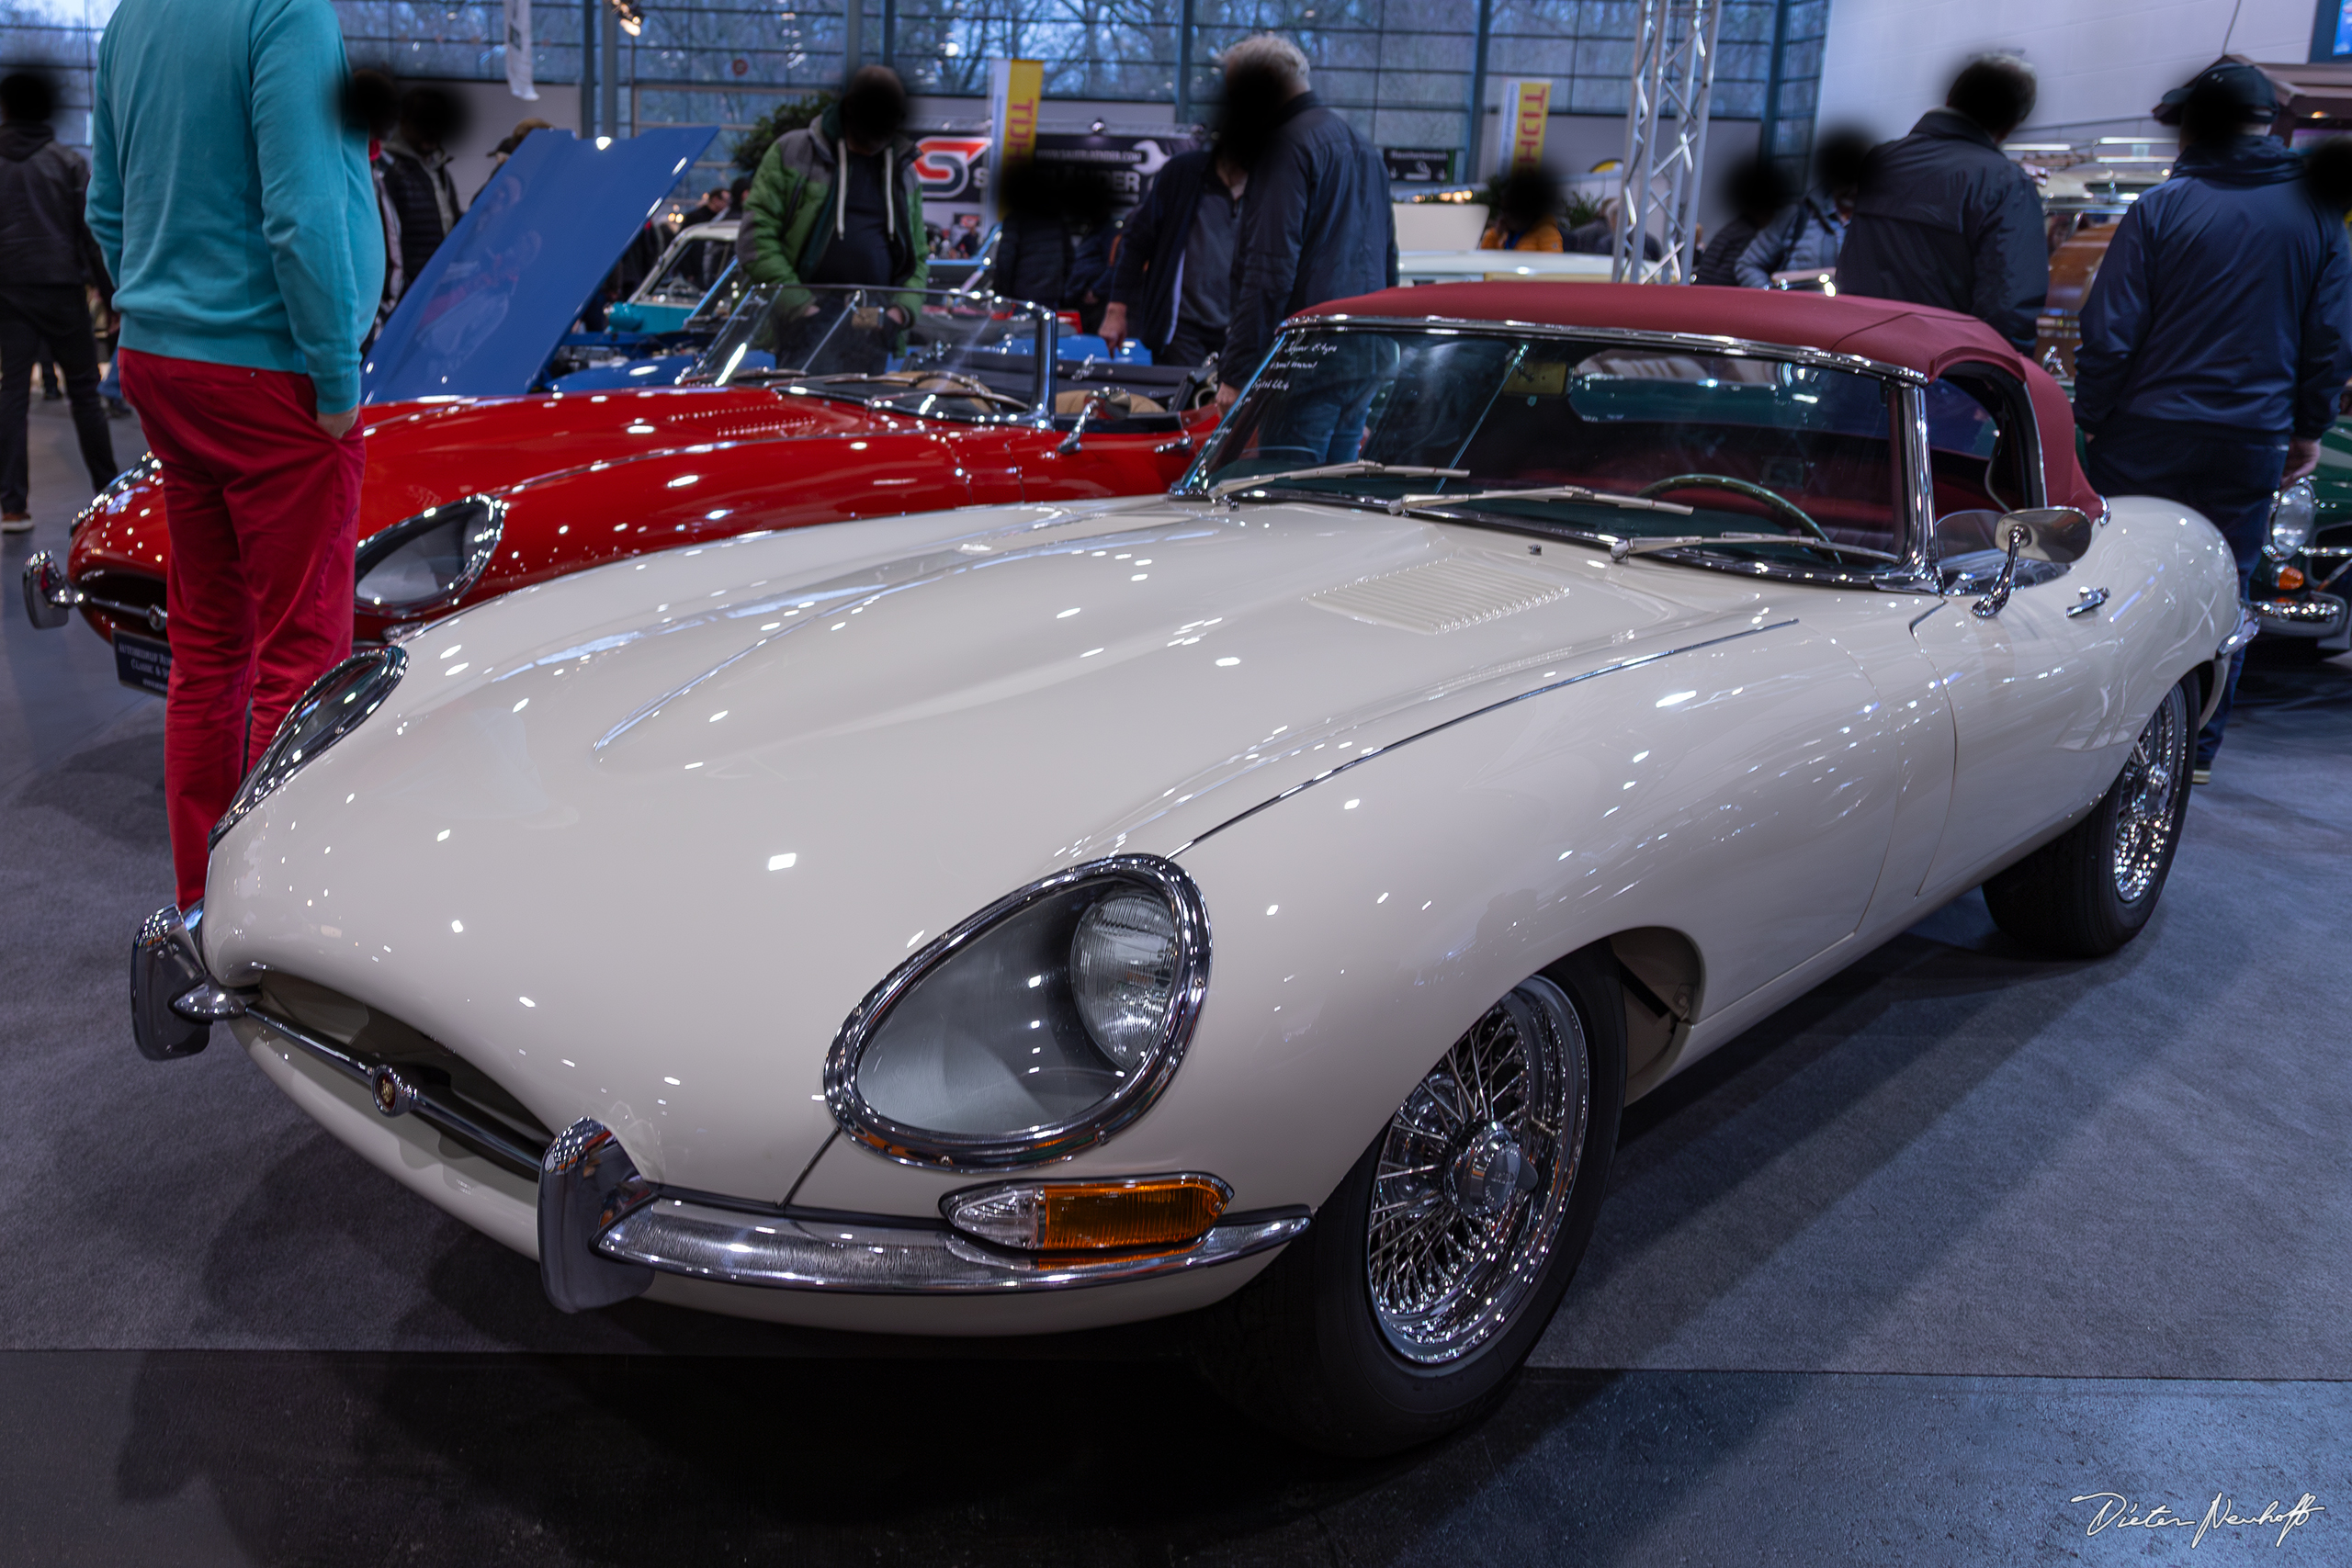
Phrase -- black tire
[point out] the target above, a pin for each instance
(1303, 1348)
(2090, 890)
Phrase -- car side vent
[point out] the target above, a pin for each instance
(1442, 596)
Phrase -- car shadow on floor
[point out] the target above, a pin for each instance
(426, 1458)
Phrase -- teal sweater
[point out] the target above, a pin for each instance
(235, 211)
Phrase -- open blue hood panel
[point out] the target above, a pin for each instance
(489, 309)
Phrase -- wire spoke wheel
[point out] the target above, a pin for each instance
(1473, 1179)
(2145, 820)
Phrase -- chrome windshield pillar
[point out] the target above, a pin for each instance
(1921, 571)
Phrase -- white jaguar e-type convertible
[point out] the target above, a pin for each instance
(1261, 899)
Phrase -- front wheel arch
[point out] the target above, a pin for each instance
(1302, 1346)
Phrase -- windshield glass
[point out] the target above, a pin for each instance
(939, 355)
(694, 263)
(1715, 444)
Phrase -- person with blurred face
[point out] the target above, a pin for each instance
(48, 262)
(233, 203)
(1943, 218)
(1173, 283)
(1757, 192)
(1315, 222)
(837, 202)
(1527, 213)
(416, 175)
(2218, 332)
(1807, 237)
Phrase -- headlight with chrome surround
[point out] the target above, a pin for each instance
(427, 561)
(1035, 1028)
(336, 703)
(2294, 513)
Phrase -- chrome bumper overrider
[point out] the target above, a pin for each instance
(173, 1001)
(604, 1231)
(2317, 616)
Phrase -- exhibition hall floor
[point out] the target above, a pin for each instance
(1953, 1240)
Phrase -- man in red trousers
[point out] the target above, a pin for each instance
(236, 213)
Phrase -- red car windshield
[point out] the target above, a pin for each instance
(939, 355)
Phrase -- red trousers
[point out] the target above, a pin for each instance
(264, 506)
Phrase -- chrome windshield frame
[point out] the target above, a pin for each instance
(1914, 573)
(1041, 393)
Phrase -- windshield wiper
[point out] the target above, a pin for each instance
(1547, 492)
(1619, 549)
(1335, 471)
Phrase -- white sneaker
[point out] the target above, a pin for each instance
(15, 522)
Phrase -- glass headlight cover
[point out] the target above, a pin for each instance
(336, 703)
(2294, 516)
(1038, 1027)
(428, 562)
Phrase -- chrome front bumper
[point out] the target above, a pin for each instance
(50, 598)
(2320, 615)
(605, 1231)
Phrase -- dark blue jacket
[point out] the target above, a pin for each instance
(1316, 226)
(1944, 218)
(2225, 301)
(1158, 231)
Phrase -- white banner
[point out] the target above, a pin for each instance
(518, 49)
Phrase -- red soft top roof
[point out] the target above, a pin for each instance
(1913, 337)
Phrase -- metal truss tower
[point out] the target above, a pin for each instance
(1666, 139)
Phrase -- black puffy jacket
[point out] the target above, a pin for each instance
(1316, 226)
(1945, 219)
(2225, 301)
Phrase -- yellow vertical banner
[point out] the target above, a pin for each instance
(1527, 107)
(1016, 87)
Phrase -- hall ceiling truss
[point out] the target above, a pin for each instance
(1666, 139)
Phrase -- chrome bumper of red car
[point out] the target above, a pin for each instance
(50, 598)
(605, 1231)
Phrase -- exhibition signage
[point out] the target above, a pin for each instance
(1419, 165)
(1528, 107)
(951, 165)
(1015, 89)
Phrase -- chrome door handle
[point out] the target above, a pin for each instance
(2092, 598)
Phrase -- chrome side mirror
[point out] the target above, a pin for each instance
(2060, 534)
(49, 595)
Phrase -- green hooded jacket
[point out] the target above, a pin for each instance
(795, 207)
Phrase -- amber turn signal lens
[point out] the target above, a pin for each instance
(2290, 577)
(1090, 1216)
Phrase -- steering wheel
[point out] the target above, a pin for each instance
(1779, 503)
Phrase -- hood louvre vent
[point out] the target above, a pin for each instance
(1442, 596)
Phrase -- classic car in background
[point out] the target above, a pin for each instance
(2301, 584)
(465, 499)
(1264, 896)
(698, 260)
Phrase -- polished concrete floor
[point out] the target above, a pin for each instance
(1954, 1240)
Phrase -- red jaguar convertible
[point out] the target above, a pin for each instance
(826, 405)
